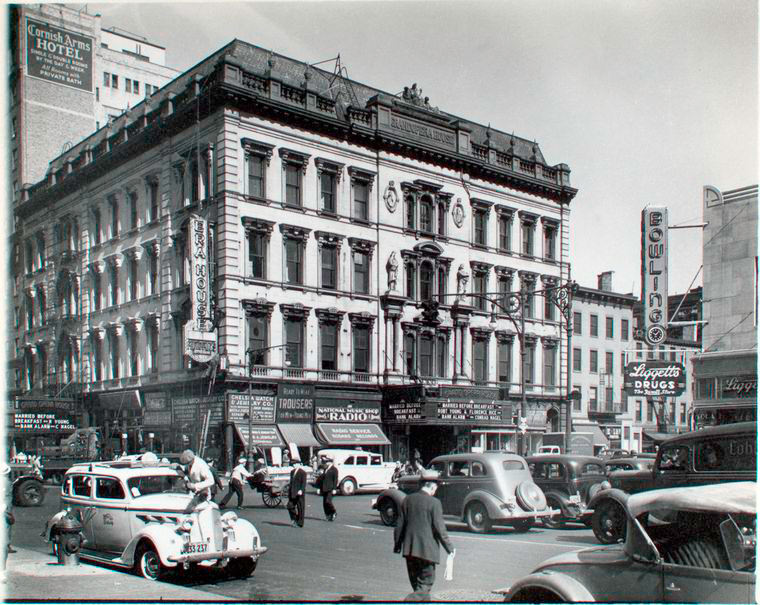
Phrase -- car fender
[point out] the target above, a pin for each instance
(561, 497)
(245, 532)
(609, 494)
(394, 494)
(163, 536)
(491, 502)
(567, 587)
(52, 523)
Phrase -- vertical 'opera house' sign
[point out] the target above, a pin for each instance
(59, 55)
(654, 273)
(200, 336)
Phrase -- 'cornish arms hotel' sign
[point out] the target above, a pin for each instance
(59, 55)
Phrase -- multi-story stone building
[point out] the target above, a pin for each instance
(726, 369)
(251, 254)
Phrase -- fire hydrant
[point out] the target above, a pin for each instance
(68, 540)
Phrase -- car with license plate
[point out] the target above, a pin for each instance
(481, 489)
(569, 482)
(716, 454)
(139, 515)
(358, 470)
(683, 545)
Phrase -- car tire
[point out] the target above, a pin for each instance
(241, 567)
(555, 522)
(30, 492)
(530, 497)
(477, 518)
(523, 525)
(608, 522)
(593, 491)
(388, 512)
(348, 487)
(149, 564)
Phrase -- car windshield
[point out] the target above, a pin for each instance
(513, 465)
(592, 469)
(156, 484)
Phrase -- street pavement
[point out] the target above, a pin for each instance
(351, 559)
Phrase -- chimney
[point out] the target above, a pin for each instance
(604, 281)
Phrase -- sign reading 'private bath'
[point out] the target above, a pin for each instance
(654, 378)
(59, 55)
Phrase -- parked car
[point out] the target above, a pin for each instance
(359, 470)
(683, 544)
(548, 449)
(716, 454)
(28, 488)
(607, 453)
(139, 515)
(482, 490)
(568, 482)
(628, 464)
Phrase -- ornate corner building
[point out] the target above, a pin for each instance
(251, 254)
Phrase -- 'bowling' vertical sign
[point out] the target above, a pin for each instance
(654, 273)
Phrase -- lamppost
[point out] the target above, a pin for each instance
(510, 303)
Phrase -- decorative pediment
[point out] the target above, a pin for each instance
(257, 225)
(294, 232)
(258, 307)
(294, 311)
(331, 315)
(428, 249)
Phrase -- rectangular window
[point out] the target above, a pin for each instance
(609, 363)
(426, 215)
(114, 286)
(577, 323)
(361, 272)
(114, 218)
(527, 238)
(530, 352)
(442, 351)
(97, 294)
(505, 361)
(624, 334)
(503, 287)
(134, 369)
(479, 286)
(480, 359)
(650, 411)
(258, 336)
(115, 358)
(684, 417)
(153, 348)
(410, 352)
(292, 185)
(153, 201)
(361, 348)
(577, 402)
(609, 399)
(328, 340)
(622, 362)
(426, 355)
(550, 364)
(329, 267)
(327, 188)
(441, 219)
(480, 220)
(550, 248)
(593, 361)
(361, 199)
(127, 85)
(638, 410)
(294, 342)
(609, 327)
(593, 402)
(256, 176)
(529, 296)
(411, 212)
(133, 210)
(257, 255)
(136, 87)
(505, 236)
(548, 307)
(195, 184)
(293, 261)
(594, 326)
(577, 360)
(133, 279)
(114, 81)
(96, 226)
(106, 79)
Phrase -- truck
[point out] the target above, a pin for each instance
(580, 443)
(83, 445)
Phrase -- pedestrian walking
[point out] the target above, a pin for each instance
(236, 483)
(218, 485)
(419, 532)
(328, 488)
(198, 477)
(7, 487)
(297, 494)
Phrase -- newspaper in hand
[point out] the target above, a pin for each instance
(449, 574)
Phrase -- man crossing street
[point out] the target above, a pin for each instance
(297, 494)
(328, 488)
(239, 473)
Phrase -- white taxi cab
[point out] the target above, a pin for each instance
(139, 515)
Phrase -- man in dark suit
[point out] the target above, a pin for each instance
(419, 532)
(297, 494)
(328, 487)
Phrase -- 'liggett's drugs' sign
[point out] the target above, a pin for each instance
(654, 378)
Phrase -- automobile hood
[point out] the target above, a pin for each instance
(597, 555)
(162, 503)
(737, 497)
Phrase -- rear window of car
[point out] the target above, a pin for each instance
(591, 469)
(349, 460)
(155, 484)
(81, 485)
(513, 465)
(620, 466)
(361, 461)
(459, 468)
(376, 460)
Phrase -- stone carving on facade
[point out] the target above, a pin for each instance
(414, 96)
(392, 268)
(463, 278)
(458, 213)
(391, 197)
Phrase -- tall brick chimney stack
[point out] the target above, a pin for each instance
(604, 281)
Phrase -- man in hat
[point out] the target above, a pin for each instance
(329, 487)
(199, 477)
(297, 494)
(236, 483)
(7, 495)
(419, 532)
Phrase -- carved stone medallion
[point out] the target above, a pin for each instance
(391, 197)
(458, 213)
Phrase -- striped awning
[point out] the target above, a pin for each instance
(300, 434)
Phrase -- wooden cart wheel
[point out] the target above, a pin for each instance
(271, 499)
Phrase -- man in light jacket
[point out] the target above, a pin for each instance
(239, 473)
(199, 477)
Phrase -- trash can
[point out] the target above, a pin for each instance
(68, 540)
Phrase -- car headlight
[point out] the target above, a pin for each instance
(228, 520)
(185, 525)
(606, 485)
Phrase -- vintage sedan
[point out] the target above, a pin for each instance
(569, 482)
(683, 545)
(628, 464)
(139, 515)
(482, 490)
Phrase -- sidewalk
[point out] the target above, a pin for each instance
(32, 575)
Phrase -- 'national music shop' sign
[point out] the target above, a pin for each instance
(654, 273)
(654, 378)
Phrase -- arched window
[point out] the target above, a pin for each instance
(411, 281)
(426, 280)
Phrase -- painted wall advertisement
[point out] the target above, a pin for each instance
(654, 273)
(200, 337)
(58, 55)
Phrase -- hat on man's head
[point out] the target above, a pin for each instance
(327, 458)
(261, 461)
(186, 457)
(242, 461)
(429, 475)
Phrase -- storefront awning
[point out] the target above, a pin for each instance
(352, 434)
(265, 435)
(657, 437)
(298, 433)
(599, 437)
(121, 400)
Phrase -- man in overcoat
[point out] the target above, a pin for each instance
(297, 494)
(328, 487)
(419, 533)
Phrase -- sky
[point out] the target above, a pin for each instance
(646, 101)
